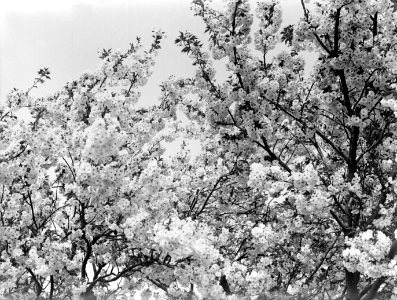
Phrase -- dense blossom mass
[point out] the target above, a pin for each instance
(292, 194)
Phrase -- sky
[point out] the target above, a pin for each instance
(66, 35)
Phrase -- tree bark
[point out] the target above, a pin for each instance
(225, 285)
(88, 295)
(352, 280)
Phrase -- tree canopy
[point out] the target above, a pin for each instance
(292, 194)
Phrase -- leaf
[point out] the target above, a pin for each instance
(287, 34)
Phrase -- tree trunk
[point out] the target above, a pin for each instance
(88, 295)
(352, 280)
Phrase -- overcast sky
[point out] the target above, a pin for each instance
(65, 35)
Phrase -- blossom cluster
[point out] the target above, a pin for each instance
(367, 253)
(183, 238)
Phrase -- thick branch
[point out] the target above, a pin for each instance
(158, 284)
(225, 285)
(273, 156)
(39, 287)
